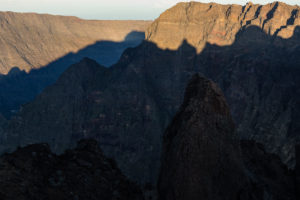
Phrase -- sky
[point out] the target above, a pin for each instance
(107, 9)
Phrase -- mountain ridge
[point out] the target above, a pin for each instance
(30, 40)
(201, 23)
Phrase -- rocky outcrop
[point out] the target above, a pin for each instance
(203, 159)
(30, 41)
(201, 156)
(34, 172)
(128, 106)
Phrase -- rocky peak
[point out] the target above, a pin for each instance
(200, 151)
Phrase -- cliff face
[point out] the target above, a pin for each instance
(201, 23)
(34, 172)
(128, 106)
(202, 157)
(30, 41)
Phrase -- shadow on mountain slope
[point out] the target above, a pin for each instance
(19, 87)
(128, 106)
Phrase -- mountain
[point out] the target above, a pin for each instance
(34, 172)
(30, 41)
(128, 106)
(36, 49)
(203, 159)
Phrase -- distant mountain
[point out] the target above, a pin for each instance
(203, 159)
(36, 49)
(30, 41)
(127, 107)
(34, 172)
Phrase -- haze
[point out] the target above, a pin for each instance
(103, 9)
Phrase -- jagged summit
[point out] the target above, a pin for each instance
(213, 23)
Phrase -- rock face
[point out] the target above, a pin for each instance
(36, 49)
(202, 158)
(200, 151)
(128, 106)
(30, 41)
(34, 172)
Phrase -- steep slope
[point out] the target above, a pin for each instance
(34, 172)
(128, 106)
(30, 41)
(202, 158)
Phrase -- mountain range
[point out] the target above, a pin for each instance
(251, 52)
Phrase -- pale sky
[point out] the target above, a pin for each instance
(107, 9)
